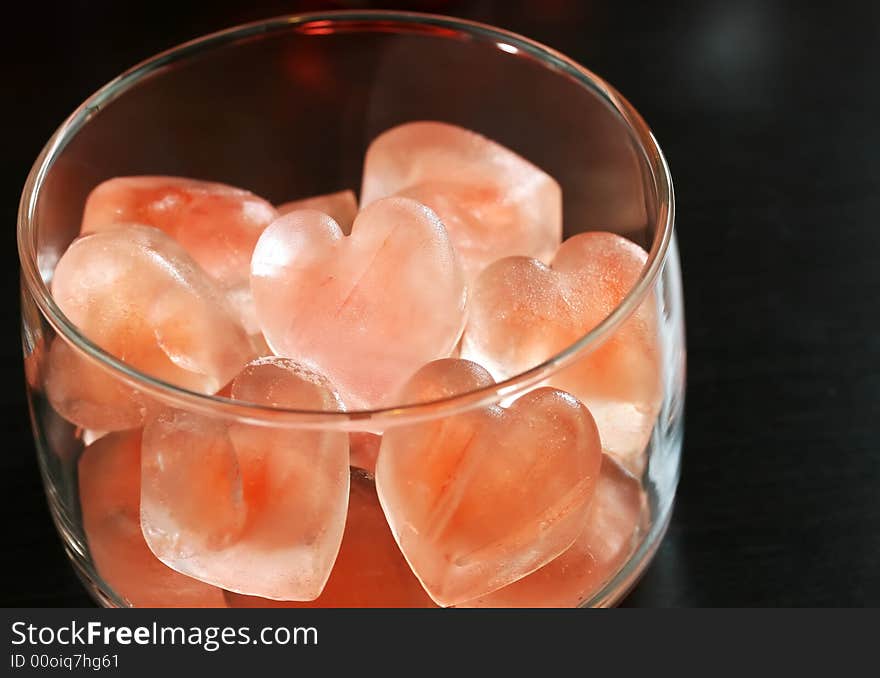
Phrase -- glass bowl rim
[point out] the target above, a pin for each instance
(331, 22)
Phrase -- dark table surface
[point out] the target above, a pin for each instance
(768, 114)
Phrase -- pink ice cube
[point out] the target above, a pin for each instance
(479, 499)
(341, 207)
(364, 448)
(367, 310)
(138, 295)
(218, 225)
(601, 550)
(369, 572)
(493, 202)
(259, 510)
(89, 395)
(523, 313)
(109, 494)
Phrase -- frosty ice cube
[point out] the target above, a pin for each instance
(523, 313)
(366, 310)
(493, 202)
(480, 499)
(259, 510)
(616, 516)
(109, 493)
(134, 292)
(369, 571)
(341, 207)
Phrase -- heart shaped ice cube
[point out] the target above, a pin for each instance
(616, 516)
(256, 509)
(493, 202)
(138, 295)
(366, 310)
(110, 495)
(369, 572)
(479, 499)
(341, 206)
(523, 313)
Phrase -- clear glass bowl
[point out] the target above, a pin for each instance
(286, 108)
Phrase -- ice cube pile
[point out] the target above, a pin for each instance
(449, 276)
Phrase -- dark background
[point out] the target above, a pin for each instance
(768, 114)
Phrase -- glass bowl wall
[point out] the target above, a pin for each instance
(286, 108)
